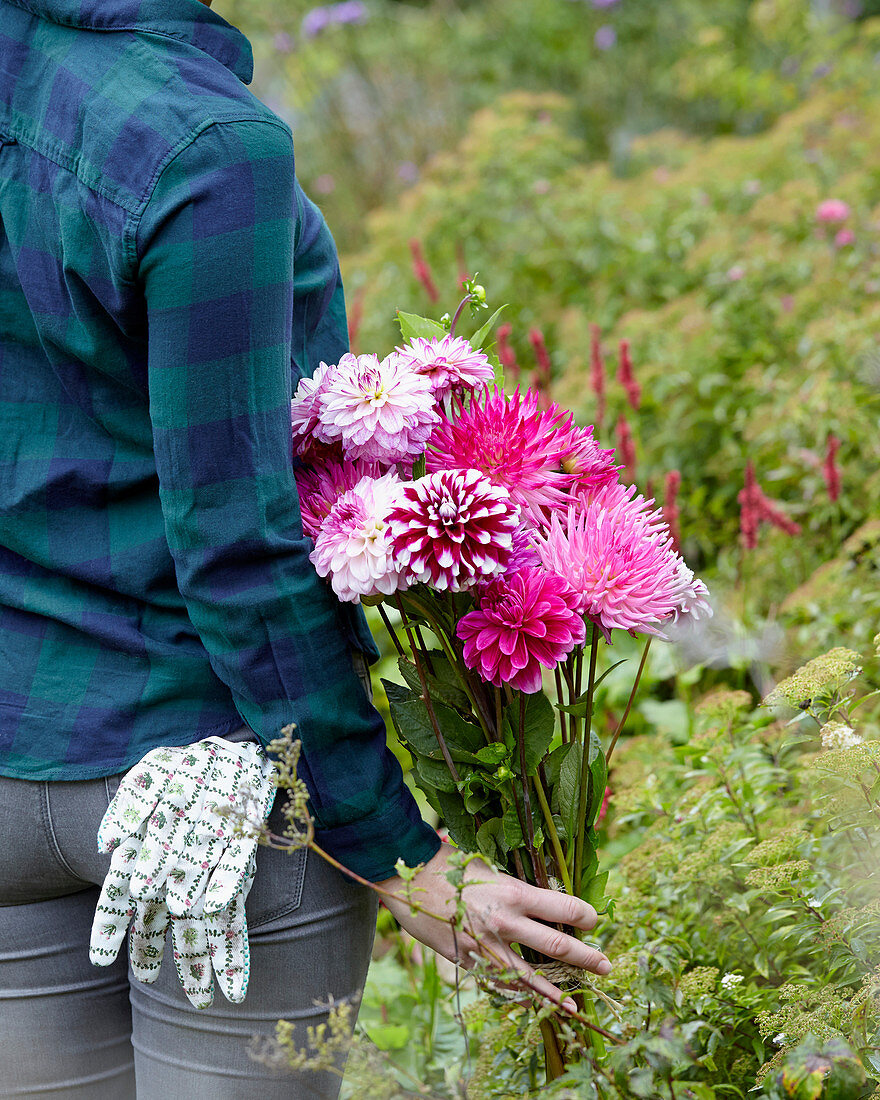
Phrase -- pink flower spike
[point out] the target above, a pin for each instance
(380, 411)
(452, 529)
(597, 373)
(354, 548)
(626, 377)
(626, 447)
(843, 238)
(513, 442)
(449, 364)
(523, 622)
(830, 470)
(832, 212)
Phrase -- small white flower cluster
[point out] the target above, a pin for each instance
(839, 735)
(728, 981)
(781, 1039)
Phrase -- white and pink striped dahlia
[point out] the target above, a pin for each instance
(523, 621)
(452, 529)
(378, 410)
(449, 363)
(353, 547)
(513, 442)
(619, 561)
(321, 485)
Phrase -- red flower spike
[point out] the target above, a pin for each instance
(421, 270)
(597, 374)
(749, 502)
(626, 448)
(355, 318)
(830, 470)
(671, 511)
(627, 378)
(506, 354)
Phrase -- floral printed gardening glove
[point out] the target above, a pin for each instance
(177, 861)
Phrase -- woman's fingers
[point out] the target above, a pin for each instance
(557, 945)
(557, 908)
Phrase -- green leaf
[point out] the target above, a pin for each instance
(512, 833)
(599, 772)
(578, 706)
(489, 840)
(411, 325)
(410, 717)
(442, 683)
(569, 786)
(457, 820)
(540, 725)
(595, 891)
(479, 337)
(434, 773)
(388, 1036)
(492, 755)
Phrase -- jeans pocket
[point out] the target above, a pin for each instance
(279, 878)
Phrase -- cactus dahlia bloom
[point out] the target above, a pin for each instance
(620, 564)
(377, 410)
(592, 466)
(353, 546)
(524, 621)
(319, 488)
(452, 529)
(514, 443)
(449, 363)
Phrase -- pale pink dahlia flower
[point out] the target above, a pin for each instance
(377, 410)
(693, 595)
(320, 486)
(524, 621)
(452, 529)
(623, 570)
(514, 443)
(449, 363)
(305, 410)
(353, 546)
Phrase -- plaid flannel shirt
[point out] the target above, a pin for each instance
(164, 283)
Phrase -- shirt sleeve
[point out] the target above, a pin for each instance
(215, 247)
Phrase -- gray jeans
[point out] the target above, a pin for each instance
(72, 1030)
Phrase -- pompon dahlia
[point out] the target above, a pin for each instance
(514, 443)
(353, 546)
(320, 486)
(378, 410)
(623, 570)
(524, 621)
(452, 529)
(449, 364)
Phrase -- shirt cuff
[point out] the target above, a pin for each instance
(364, 847)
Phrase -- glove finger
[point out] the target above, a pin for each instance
(136, 798)
(146, 944)
(192, 959)
(115, 907)
(229, 948)
(185, 885)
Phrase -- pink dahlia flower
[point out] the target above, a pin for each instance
(524, 621)
(622, 568)
(305, 410)
(832, 211)
(592, 466)
(319, 488)
(377, 410)
(616, 494)
(353, 546)
(514, 443)
(453, 528)
(693, 595)
(449, 364)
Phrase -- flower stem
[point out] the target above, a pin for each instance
(563, 717)
(553, 834)
(586, 774)
(629, 701)
(391, 631)
(527, 802)
(457, 314)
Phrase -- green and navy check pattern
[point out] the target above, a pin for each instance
(164, 283)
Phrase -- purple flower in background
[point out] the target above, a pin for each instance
(325, 185)
(351, 11)
(315, 21)
(604, 3)
(408, 171)
(605, 38)
(318, 19)
(283, 42)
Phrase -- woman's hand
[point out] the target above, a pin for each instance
(501, 910)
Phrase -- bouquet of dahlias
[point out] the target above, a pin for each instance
(499, 533)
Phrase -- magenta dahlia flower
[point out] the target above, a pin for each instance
(619, 560)
(377, 410)
(524, 621)
(453, 528)
(353, 546)
(320, 486)
(514, 443)
(449, 364)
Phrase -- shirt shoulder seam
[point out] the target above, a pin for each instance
(132, 224)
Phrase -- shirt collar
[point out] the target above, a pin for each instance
(188, 20)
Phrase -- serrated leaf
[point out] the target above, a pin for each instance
(569, 786)
(487, 839)
(413, 725)
(442, 683)
(411, 325)
(540, 725)
(511, 831)
(457, 820)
